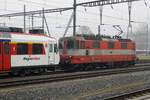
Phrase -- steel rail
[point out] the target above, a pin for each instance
(127, 96)
(70, 76)
(4, 75)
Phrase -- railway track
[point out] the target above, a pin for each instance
(132, 95)
(5, 75)
(14, 82)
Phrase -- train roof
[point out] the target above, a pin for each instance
(99, 37)
(25, 36)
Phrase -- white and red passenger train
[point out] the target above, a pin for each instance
(24, 52)
(20, 52)
(90, 50)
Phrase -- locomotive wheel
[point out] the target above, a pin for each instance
(13, 73)
(67, 68)
(42, 70)
(110, 65)
(82, 68)
(131, 63)
(27, 72)
(22, 73)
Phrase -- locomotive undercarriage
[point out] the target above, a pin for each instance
(92, 66)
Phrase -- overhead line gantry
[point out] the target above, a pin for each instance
(103, 2)
(37, 12)
(75, 5)
(93, 4)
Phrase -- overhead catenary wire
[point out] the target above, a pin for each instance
(114, 18)
(52, 4)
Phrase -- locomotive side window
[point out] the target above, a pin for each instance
(82, 44)
(123, 45)
(37, 49)
(110, 45)
(76, 44)
(22, 48)
(70, 44)
(96, 44)
(50, 48)
(6, 47)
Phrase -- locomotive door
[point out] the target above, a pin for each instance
(51, 54)
(5, 57)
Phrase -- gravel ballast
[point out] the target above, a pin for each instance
(86, 89)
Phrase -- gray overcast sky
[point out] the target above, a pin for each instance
(118, 15)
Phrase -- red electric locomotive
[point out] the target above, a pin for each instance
(81, 51)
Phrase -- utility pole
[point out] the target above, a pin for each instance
(24, 18)
(147, 31)
(130, 25)
(147, 41)
(43, 19)
(74, 18)
(32, 19)
(47, 25)
(67, 27)
(101, 15)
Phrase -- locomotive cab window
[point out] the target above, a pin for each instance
(37, 49)
(96, 44)
(22, 48)
(82, 44)
(6, 47)
(110, 45)
(123, 45)
(70, 44)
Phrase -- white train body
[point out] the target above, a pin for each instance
(27, 51)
